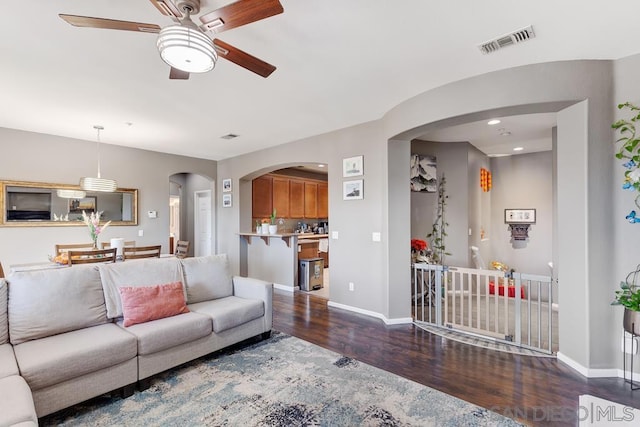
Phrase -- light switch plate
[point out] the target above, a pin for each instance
(376, 236)
(153, 214)
(140, 233)
(334, 235)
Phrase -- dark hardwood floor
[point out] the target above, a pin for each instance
(535, 391)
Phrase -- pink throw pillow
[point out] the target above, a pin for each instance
(145, 303)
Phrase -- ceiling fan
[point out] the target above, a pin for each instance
(185, 46)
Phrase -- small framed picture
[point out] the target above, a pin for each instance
(352, 190)
(226, 185)
(226, 200)
(519, 216)
(353, 166)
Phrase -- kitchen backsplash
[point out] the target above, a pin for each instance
(288, 225)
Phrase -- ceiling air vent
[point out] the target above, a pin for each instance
(229, 136)
(515, 37)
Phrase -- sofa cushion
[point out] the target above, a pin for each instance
(4, 322)
(229, 312)
(58, 358)
(207, 278)
(168, 332)
(48, 302)
(137, 272)
(8, 365)
(144, 303)
(16, 403)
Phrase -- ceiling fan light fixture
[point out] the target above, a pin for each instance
(186, 49)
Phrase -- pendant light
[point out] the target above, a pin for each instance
(98, 184)
(71, 194)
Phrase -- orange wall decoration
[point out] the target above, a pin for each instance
(485, 179)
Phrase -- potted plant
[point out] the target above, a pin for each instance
(273, 227)
(629, 297)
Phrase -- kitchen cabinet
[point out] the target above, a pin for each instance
(291, 197)
(323, 200)
(307, 249)
(262, 196)
(310, 199)
(281, 196)
(296, 198)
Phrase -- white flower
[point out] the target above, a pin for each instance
(634, 175)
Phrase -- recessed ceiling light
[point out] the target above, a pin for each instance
(320, 166)
(493, 122)
(518, 149)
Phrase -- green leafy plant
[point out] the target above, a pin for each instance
(273, 217)
(629, 293)
(629, 150)
(439, 228)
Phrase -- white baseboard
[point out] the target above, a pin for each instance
(285, 287)
(588, 372)
(398, 321)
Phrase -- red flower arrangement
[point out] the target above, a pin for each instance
(418, 245)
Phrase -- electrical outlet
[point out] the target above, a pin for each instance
(351, 287)
(376, 236)
(140, 233)
(334, 235)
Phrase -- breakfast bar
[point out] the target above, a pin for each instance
(275, 257)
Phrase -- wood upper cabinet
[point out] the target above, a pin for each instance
(281, 194)
(296, 198)
(262, 195)
(323, 200)
(310, 200)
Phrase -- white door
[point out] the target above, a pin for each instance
(202, 223)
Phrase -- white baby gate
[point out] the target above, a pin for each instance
(516, 310)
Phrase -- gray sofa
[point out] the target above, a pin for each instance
(64, 337)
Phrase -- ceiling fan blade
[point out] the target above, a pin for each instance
(176, 74)
(239, 13)
(243, 59)
(109, 24)
(166, 7)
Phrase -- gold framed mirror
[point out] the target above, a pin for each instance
(38, 204)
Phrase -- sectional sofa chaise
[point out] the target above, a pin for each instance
(70, 334)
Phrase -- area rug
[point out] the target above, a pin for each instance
(282, 381)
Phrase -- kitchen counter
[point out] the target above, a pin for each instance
(276, 258)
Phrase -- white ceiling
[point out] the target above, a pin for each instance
(530, 133)
(339, 63)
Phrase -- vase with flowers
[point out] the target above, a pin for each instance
(92, 221)
(419, 251)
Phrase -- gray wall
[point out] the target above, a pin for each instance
(30, 156)
(522, 181)
(452, 159)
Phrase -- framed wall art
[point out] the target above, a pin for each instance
(226, 185)
(226, 200)
(353, 166)
(352, 190)
(423, 173)
(519, 216)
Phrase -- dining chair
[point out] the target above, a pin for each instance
(136, 252)
(92, 256)
(127, 243)
(182, 248)
(73, 246)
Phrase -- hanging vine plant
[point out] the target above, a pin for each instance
(630, 150)
(440, 224)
